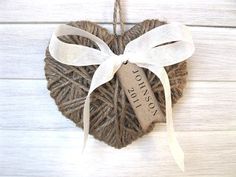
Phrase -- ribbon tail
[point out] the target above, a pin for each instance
(104, 73)
(175, 148)
(86, 121)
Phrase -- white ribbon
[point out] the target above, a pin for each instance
(146, 51)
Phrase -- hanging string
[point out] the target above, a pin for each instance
(118, 11)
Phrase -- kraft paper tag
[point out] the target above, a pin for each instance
(140, 94)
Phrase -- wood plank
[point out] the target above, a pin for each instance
(194, 12)
(214, 58)
(26, 105)
(22, 49)
(57, 153)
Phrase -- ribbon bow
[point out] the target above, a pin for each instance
(147, 51)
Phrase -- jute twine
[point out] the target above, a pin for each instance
(112, 118)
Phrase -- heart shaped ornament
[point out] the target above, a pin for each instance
(113, 116)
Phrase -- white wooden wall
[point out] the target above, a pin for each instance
(37, 141)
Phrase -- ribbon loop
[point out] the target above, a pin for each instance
(158, 36)
(162, 46)
(77, 55)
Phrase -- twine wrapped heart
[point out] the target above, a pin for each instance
(73, 79)
(112, 118)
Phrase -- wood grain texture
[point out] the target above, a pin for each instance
(194, 12)
(29, 107)
(37, 141)
(57, 153)
(22, 49)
